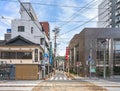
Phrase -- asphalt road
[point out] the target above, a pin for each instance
(59, 82)
(59, 76)
(18, 85)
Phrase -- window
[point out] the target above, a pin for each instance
(41, 41)
(24, 55)
(16, 55)
(41, 56)
(21, 28)
(116, 57)
(36, 55)
(32, 30)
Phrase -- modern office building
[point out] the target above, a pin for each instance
(109, 14)
(101, 46)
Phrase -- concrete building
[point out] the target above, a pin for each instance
(101, 46)
(24, 46)
(29, 27)
(109, 14)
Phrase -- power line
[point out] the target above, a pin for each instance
(5, 23)
(54, 5)
(29, 15)
(86, 5)
(50, 20)
(82, 24)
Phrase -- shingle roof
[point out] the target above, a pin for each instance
(17, 41)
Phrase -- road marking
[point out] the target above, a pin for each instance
(52, 78)
(56, 78)
(60, 78)
(65, 78)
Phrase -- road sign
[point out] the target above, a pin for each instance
(78, 63)
(93, 69)
(46, 58)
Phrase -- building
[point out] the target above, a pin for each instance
(24, 55)
(29, 27)
(22, 52)
(109, 14)
(101, 46)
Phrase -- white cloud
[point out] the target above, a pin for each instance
(2, 31)
(93, 11)
(66, 12)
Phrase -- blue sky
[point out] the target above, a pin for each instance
(55, 10)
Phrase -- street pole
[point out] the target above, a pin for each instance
(77, 70)
(104, 71)
(56, 31)
(55, 45)
(63, 65)
(68, 69)
(90, 59)
(44, 58)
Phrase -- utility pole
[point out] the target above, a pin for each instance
(56, 31)
(104, 62)
(90, 61)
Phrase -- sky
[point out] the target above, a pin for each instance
(64, 14)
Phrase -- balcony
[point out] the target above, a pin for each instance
(117, 6)
(117, 20)
(118, 1)
(117, 13)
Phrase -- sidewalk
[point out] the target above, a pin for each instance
(110, 84)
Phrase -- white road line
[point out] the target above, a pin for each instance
(56, 78)
(65, 78)
(52, 78)
(60, 78)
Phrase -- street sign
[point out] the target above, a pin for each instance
(46, 58)
(43, 67)
(78, 63)
(92, 69)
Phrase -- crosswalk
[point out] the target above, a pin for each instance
(59, 78)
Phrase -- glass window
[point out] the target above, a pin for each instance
(36, 55)
(32, 30)
(24, 55)
(16, 55)
(21, 28)
(41, 56)
(102, 49)
(116, 57)
(41, 41)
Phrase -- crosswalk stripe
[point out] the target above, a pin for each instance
(52, 78)
(60, 78)
(65, 78)
(56, 78)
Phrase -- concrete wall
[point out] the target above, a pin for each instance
(34, 37)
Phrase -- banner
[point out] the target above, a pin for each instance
(67, 53)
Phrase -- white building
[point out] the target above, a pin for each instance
(28, 26)
(23, 53)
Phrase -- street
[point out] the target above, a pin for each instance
(60, 82)
(19, 85)
(59, 76)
